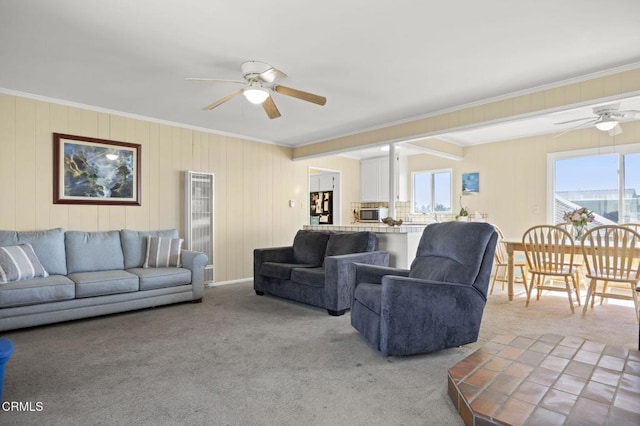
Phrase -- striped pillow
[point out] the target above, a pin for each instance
(163, 252)
(19, 263)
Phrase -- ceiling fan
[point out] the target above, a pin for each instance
(260, 81)
(606, 119)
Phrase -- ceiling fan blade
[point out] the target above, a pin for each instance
(577, 119)
(219, 80)
(222, 100)
(580, 126)
(271, 75)
(305, 96)
(270, 108)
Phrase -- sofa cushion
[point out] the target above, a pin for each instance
(53, 288)
(93, 251)
(370, 295)
(151, 278)
(99, 283)
(309, 276)
(48, 246)
(163, 252)
(309, 247)
(280, 270)
(134, 245)
(19, 263)
(351, 242)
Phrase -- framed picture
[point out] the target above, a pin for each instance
(470, 183)
(95, 171)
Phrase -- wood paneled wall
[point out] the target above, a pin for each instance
(254, 181)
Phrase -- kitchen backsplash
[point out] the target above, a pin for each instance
(403, 211)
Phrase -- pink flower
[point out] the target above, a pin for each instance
(579, 217)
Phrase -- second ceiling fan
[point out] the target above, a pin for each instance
(260, 81)
(605, 118)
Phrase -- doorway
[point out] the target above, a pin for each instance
(325, 180)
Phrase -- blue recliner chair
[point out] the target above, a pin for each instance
(438, 303)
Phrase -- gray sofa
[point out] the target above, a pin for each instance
(94, 273)
(315, 269)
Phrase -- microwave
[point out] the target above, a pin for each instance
(373, 214)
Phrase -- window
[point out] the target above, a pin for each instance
(431, 191)
(606, 182)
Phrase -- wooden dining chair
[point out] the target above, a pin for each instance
(549, 251)
(633, 226)
(500, 264)
(613, 259)
(578, 261)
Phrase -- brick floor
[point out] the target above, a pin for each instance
(547, 379)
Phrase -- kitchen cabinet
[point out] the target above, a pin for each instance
(199, 217)
(322, 182)
(374, 179)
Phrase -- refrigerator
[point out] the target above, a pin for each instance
(321, 206)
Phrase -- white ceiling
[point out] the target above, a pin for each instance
(376, 61)
(547, 123)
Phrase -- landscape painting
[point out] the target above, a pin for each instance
(95, 171)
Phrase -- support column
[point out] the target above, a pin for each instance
(392, 181)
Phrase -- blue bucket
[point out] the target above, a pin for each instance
(6, 349)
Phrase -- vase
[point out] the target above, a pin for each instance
(578, 231)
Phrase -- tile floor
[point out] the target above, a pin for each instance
(547, 380)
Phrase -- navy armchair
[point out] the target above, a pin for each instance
(438, 303)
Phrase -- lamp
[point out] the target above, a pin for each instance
(606, 124)
(255, 94)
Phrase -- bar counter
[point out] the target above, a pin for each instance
(400, 241)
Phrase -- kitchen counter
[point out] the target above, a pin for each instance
(372, 227)
(400, 241)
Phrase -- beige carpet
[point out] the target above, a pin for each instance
(240, 359)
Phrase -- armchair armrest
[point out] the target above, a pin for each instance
(441, 314)
(339, 276)
(374, 273)
(195, 261)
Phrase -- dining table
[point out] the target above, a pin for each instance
(514, 245)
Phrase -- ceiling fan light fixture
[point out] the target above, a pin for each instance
(606, 124)
(255, 95)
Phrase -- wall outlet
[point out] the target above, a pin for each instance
(292, 203)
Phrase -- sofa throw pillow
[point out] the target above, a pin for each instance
(163, 252)
(19, 263)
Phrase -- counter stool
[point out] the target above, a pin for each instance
(6, 349)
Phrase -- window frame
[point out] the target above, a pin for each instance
(620, 150)
(432, 172)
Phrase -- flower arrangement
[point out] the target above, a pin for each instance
(579, 217)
